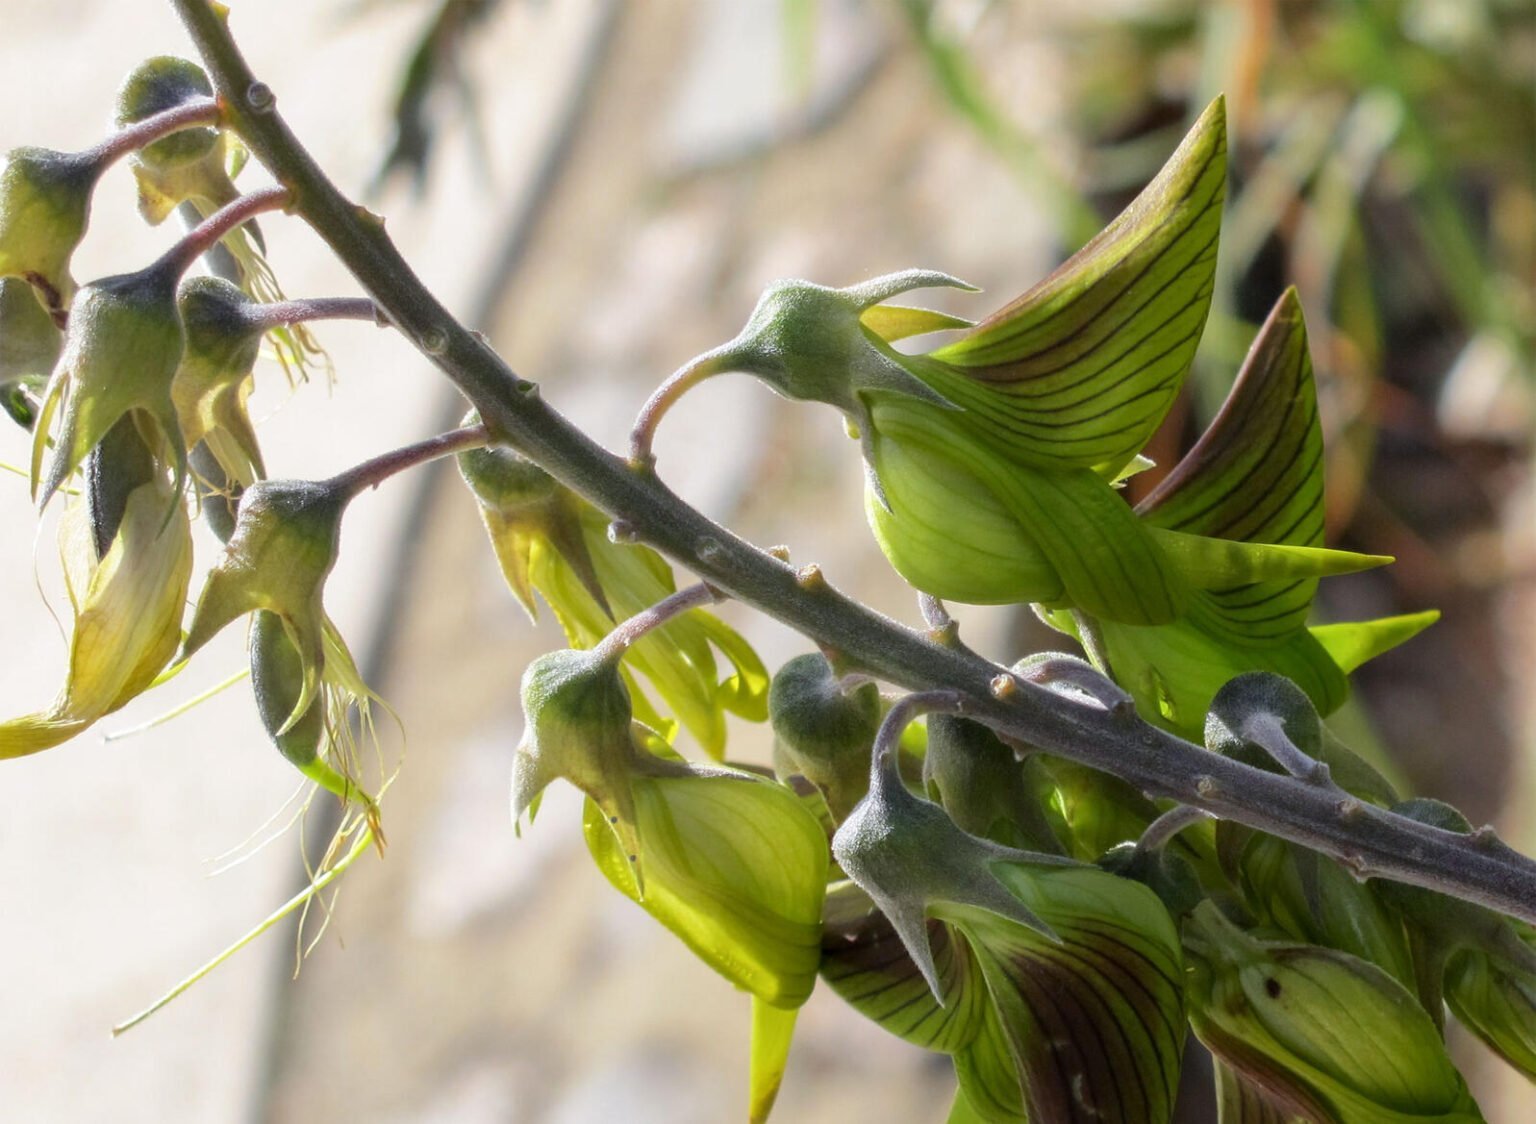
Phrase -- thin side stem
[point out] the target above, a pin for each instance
(665, 396)
(203, 237)
(192, 114)
(372, 473)
(1161, 831)
(281, 314)
(613, 646)
(883, 769)
(1370, 841)
(1268, 731)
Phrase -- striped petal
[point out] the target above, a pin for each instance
(1095, 1019)
(1081, 369)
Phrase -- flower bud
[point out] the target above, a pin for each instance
(984, 786)
(214, 379)
(277, 681)
(285, 542)
(188, 164)
(1483, 964)
(45, 204)
(1253, 709)
(732, 864)
(736, 868)
(1167, 874)
(1493, 994)
(824, 731)
(579, 729)
(1327, 1035)
(1311, 898)
(121, 351)
(521, 505)
(29, 346)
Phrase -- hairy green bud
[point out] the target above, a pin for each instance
(188, 164)
(45, 204)
(825, 731)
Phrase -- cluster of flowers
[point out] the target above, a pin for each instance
(136, 386)
(978, 897)
(984, 899)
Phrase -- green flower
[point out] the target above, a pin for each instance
(285, 543)
(731, 863)
(1291, 889)
(993, 459)
(1054, 986)
(547, 538)
(1482, 963)
(187, 166)
(127, 602)
(1492, 992)
(1316, 1033)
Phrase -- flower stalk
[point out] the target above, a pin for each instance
(189, 115)
(203, 237)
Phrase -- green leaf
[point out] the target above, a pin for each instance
(1081, 369)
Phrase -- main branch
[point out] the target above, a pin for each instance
(1371, 842)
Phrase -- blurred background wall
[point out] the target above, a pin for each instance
(604, 188)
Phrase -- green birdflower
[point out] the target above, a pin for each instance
(1482, 963)
(285, 542)
(548, 539)
(214, 380)
(1315, 1034)
(992, 460)
(1054, 986)
(196, 167)
(45, 205)
(120, 353)
(733, 864)
(128, 601)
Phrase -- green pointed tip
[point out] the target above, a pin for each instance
(1354, 643)
(877, 290)
(773, 1029)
